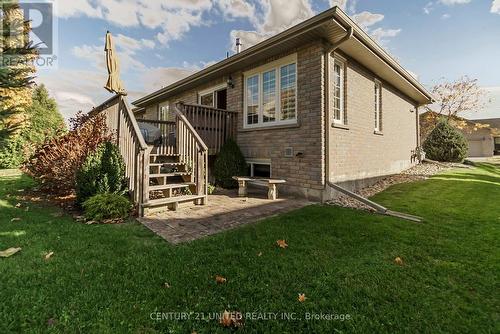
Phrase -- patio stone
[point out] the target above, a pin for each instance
(224, 211)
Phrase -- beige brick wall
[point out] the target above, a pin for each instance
(353, 154)
(357, 152)
(304, 174)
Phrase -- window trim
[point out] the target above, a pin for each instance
(252, 162)
(212, 90)
(341, 61)
(378, 105)
(160, 106)
(259, 71)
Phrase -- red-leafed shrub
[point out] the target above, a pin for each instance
(56, 162)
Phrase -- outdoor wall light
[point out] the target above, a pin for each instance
(230, 82)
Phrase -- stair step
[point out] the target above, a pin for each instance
(170, 200)
(171, 186)
(169, 174)
(167, 163)
(154, 155)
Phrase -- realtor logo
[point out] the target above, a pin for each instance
(41, 17)
(43, 24)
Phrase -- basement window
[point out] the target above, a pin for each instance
(259, 168)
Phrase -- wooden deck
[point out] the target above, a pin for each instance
(171, 166)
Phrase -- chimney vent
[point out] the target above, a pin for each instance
(238, 45)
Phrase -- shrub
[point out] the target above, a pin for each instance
(211, 188)
(102, 172)
(106, 206)
(230, 162)
(445, 143)
(56, 162)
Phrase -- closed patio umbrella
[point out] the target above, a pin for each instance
(114, 84)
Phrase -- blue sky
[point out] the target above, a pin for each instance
(161, 41)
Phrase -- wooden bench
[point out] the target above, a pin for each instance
(272, 193)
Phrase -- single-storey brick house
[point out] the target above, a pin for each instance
(316, 104)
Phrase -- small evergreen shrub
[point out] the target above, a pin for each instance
(230, 162)
(106, 206)
(445, 143)
(102, 172)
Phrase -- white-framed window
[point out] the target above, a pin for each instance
(270, 94)
(378, 105)
(208, 97)
(259, 168)
(337, 91)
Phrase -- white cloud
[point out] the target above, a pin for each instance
(283, 14)
(341, 3)
(72, 97)
(428, 8)
(155, 78)
(445, 16)
(278, 15)
(173, 17)
(495, 7)
(366, 19)
(77, 8)
(381, 35)
(126, 47)
(232, 9)
(454, 2)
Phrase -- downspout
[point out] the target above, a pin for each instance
(328, 52)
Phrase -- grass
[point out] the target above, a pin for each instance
(110, 279)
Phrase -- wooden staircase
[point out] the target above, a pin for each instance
(171, 182)
(175, 169)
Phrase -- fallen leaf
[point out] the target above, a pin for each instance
(18, 205)
(231, 319)
(282, 243)
(260, 254)
(166, 285)
(302, 297)
(9, 252)
(398, 261)
(220, 279)
(48, 255)
(15, 220)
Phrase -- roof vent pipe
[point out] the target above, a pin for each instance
(238, 45)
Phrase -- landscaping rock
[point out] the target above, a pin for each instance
(419, 172)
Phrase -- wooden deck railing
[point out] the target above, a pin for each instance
(166, 143)
(192, 151)
(214, 125)
(134, 150)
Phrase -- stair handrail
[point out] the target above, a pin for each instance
(184, 119)
(196, 153)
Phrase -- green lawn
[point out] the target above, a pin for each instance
(110, 279)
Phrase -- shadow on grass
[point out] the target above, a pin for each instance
(469, 177)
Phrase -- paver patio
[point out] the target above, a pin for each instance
(224, 211)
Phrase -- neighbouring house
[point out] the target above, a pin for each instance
(319, 103)
(494, 124)
(483, 135)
